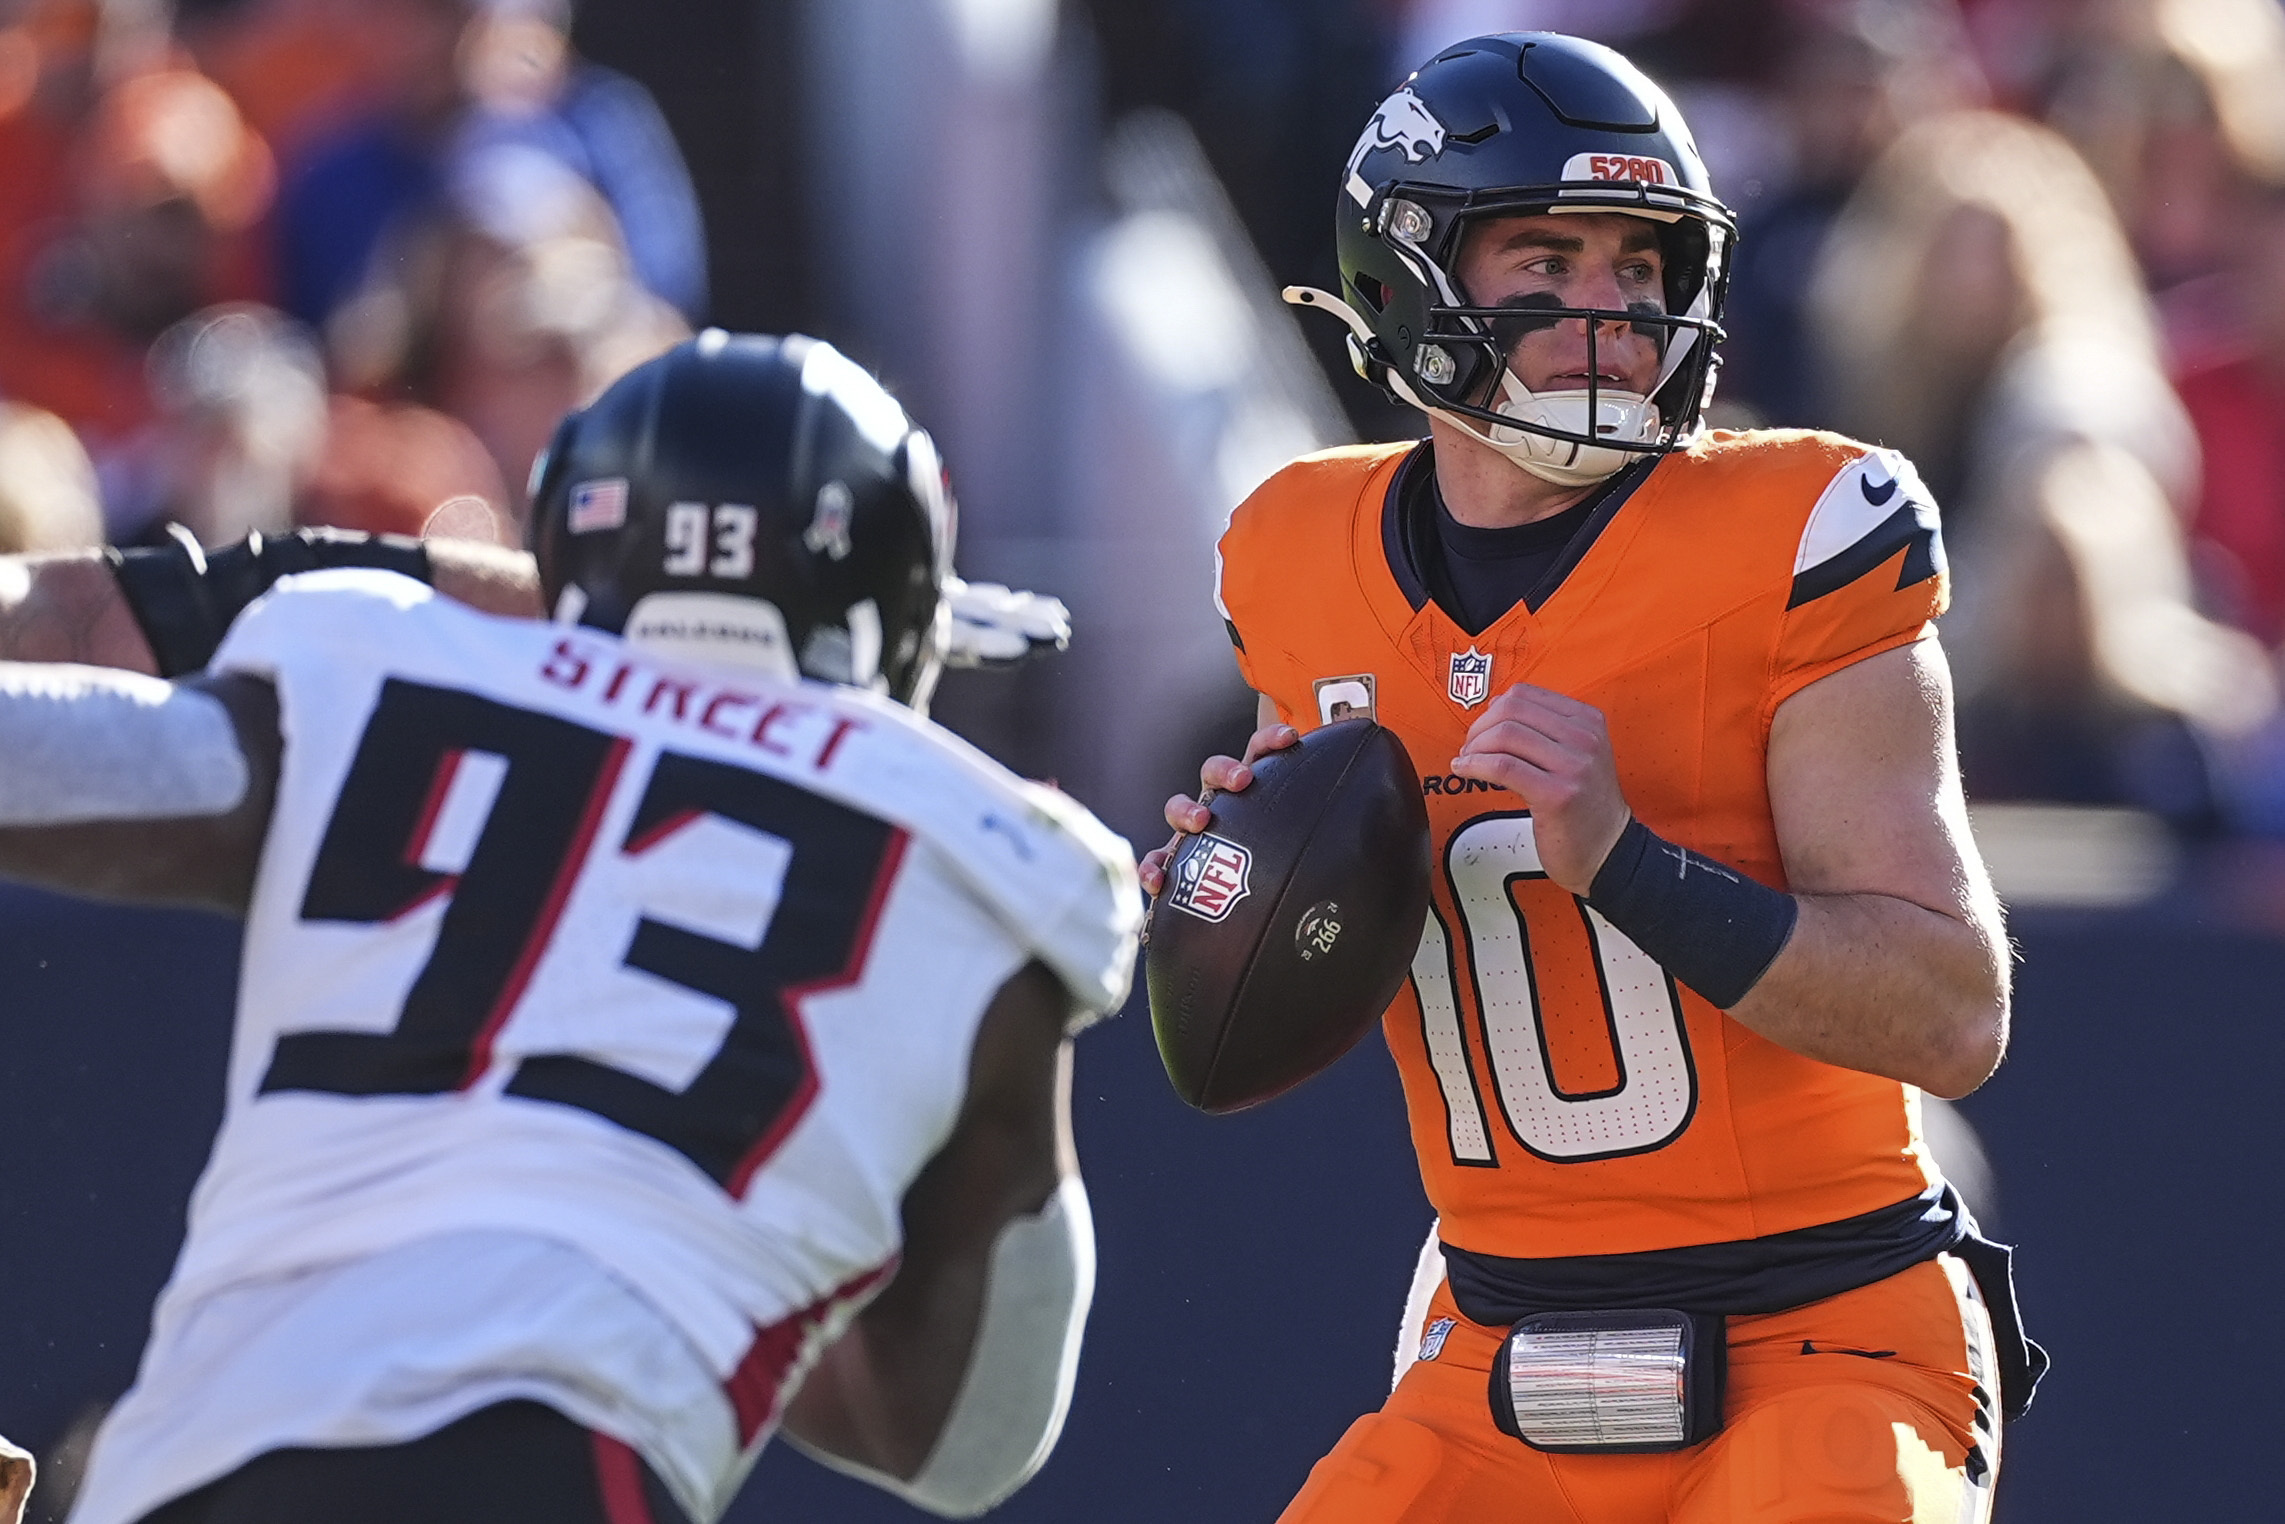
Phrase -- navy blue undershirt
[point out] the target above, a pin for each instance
(1486, 572)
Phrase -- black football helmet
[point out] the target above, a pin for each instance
(1514, 124)
(756, 500)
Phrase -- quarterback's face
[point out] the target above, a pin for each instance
(1604, 260)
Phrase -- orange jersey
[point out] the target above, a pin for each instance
(1566, 1095)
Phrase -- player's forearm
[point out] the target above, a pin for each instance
(121, 786)
(487, 577)
(882, 1396)
(68, 607)
(1872, 982)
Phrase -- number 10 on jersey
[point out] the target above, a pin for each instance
(1656, 1088)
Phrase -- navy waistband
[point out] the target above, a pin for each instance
(1742, 1276)
(1750, 1276)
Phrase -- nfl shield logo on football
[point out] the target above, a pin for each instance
(1471, 678)
(1211, 878)
(1432, 1342)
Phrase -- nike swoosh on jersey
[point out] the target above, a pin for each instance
(1809, 1347)
(1848, 536)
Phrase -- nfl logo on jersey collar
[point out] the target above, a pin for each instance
(1471, 679)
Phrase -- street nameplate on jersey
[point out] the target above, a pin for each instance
(1211, 878)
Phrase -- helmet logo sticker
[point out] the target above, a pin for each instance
(1641, 169)
(598, 505)
(828, 532)
(1403, 121)
(1471, 679)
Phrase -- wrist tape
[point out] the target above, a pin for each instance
(1709, 926)
(185, 598)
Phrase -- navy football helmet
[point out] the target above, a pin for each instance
(1525, 123)
(754, 500)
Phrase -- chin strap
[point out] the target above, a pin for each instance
(1564, 462)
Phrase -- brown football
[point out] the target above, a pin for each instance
(1288, 925)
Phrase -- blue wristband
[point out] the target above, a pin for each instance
(1709, 926)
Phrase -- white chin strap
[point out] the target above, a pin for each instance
(1628, 417)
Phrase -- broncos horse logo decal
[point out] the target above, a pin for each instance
(1403, 121)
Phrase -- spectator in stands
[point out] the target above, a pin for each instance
(512, 303)
(238, 420)
(1848, 78)
(167, 189)
(1985, 316)
(529, 87)
(2172, 102)
(460, 74)
(393, 467)
(2181, 106)
(47, 487)
(2234, 387)
(298, 69)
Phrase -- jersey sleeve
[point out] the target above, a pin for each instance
(1089, 938)
(1869, 574)
(1289, 534)
(1057, 880)
(315, 619)
(1235, 592)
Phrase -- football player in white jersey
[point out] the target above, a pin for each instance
(651, 1033)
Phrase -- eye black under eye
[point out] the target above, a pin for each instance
(1507, 331)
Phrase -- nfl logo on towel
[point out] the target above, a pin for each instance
(598, 505)
(1471, 677)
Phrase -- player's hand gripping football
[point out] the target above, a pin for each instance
(1555, 754)
(1216, 775)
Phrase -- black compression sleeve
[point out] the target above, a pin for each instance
(185, 598)
(1709, 926)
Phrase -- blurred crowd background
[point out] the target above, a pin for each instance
(278, 262)
(267, 263)
(346, 261)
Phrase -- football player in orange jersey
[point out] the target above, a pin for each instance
(1707, 916)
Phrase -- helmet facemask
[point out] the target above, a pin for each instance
(1462, 368)
(1527, 124)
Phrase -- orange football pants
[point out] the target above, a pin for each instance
(1864, 1407)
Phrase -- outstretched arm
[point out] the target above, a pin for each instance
(70, 606)
(950, 1388)
(124, 787)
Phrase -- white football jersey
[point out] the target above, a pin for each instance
(676, 966)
